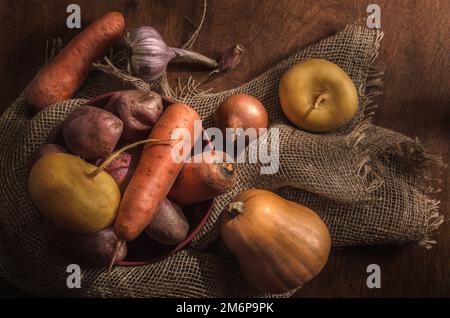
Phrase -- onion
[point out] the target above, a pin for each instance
(241, 111)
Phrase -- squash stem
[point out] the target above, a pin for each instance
(235, 208)
(116, 154)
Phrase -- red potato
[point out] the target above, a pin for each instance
(155, 174)
(97, 248)
(138, 110)
(169, 226)
(62, 77)
(45, 150)
(91, 132)
(204, 180)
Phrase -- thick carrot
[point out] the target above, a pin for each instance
(62, 77)
(200, 181)
(155, 174)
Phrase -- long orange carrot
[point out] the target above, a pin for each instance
(62, 77)
(155, 174)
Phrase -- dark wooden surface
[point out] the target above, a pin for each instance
(416, 99)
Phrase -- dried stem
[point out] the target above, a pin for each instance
(194, 36)
(193, 57)
(113, 156)
(320, 99)
(116, 254)
(235, 208)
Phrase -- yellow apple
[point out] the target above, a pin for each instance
(318, 96)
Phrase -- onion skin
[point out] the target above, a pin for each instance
(241, 111)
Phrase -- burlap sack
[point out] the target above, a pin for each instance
(370, 185)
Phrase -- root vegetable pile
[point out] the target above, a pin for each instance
(78, 184)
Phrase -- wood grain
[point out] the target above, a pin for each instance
(415, 51)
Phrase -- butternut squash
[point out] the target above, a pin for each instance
(280, 244)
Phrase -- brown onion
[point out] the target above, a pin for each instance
(241, 111)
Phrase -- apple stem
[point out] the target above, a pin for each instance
(316, 104)
(320, 99)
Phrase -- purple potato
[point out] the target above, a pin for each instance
(169, 226)
(45, 150)
(122, 168)
(91, 132)
(138, 110)
(97, 248)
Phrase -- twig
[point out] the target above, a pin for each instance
(194, 36)
(191, 22)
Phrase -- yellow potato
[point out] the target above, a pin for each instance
(62, 190)
(318, 96)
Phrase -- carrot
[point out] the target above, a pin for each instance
(62, 77)
(154, 175)
(203, 180)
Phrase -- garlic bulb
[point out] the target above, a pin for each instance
(150, 55)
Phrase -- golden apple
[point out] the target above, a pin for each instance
(318, 96)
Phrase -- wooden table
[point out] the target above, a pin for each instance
(416, 95)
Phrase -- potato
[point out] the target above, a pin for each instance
(45, 150)
(169, 226)
(138, 110)
(122, 168)
(97, 248)
(91, 133)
